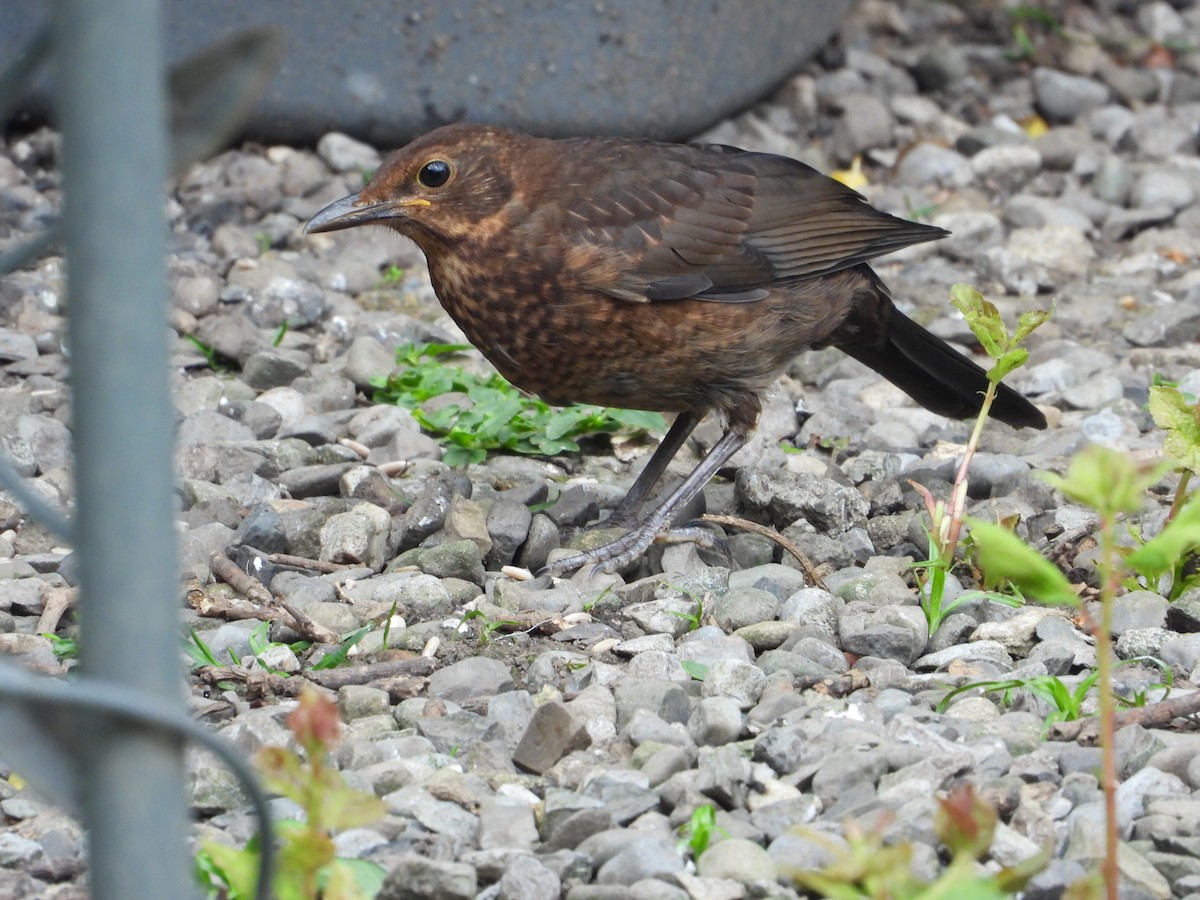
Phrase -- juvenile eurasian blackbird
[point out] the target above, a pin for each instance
(658, 276)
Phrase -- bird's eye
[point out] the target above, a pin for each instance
(434, 173)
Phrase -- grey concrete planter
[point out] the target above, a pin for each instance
(386, 71)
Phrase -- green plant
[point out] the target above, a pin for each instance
(280, 333)
(62, 647)
(946, 518)
(1140, 698)
(697, 671)
(308, 866)
(260, 642)
(694, 617)
(263, 240)
(1021, 17)
(1179, 416)
(199, 651)
(1067, 702)
(1114, 486)
(697, 832)
(494, 415)
(867, 868)
(338, 655)
(392, 275)
(488, 627)
(211, 357)
(387, 624)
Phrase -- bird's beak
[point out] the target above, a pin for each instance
(354, 210)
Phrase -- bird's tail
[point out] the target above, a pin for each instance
(927, 368)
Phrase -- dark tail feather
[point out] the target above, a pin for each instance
(936, 375)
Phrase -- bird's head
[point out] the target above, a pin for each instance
(445, 186)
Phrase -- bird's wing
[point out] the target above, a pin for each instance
(716, 223)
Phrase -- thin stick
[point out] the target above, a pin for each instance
(810, 571)
(58, 601)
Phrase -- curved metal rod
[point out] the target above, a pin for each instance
(115, 700)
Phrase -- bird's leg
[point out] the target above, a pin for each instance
(631, 545)
(626, 512)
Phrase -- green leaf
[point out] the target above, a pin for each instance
(697, 670)
(637, 419)
(338, 656)
(460, 457)
(1159, 555)
(1106, 480)
(1181, 421)
(352, 879)
(494, 415)
(1005, 557)
(1029, 322)
(983, 319)
(237, 868)
(1013, 359)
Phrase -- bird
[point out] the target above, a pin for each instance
(682, 278)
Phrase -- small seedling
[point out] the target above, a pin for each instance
(946, 517)
(263, 240)
(867, 868)
(692, 618)
(280, 333)
(339, 655)
(211, 357)
(1114, 486)
(1179, 416)
(259, 643)
(698, 831)
(488, 627)
(308, 866)
(1022, 16)
(387, 624)
(199, 651)
(392, 276)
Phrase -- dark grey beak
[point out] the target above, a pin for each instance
(351, 211)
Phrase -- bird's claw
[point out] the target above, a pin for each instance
(610, 557)
(616, 555)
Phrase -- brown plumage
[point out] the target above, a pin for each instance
(657, 276)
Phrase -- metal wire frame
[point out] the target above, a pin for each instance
(125, 719)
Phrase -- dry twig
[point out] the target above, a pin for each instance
(810, 571)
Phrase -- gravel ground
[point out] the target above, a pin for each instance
(560, 760)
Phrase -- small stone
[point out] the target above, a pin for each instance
(456, 559)
(737, 860)
(1062, 97)
(1007, 167)
(344, 154)
(1158, 188)
(415, 877)
(930, 164)
(477, 676)
(552, 733)
(357, 701)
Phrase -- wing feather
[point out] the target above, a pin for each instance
(721, 224)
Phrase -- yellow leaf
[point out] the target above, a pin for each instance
(852, 177)
(1035, 126)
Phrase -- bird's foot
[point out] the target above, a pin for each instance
(606, 558)
(616, 555)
